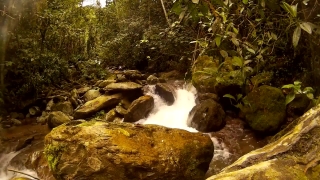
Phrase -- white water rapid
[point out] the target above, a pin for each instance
(176, 115)
(5, 160)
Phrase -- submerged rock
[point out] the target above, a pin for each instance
(294, 154)
(264, 109)
(94, 106)
(207, 116)
(139, 109)
(98, 150)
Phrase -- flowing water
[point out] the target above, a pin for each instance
(230, 143)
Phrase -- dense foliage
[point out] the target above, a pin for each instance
(48, 42)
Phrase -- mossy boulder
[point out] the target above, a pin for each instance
(99, 150)
(209, 76)
(139, 109)
(96, 105)
(264, 109)
(298, 106)
(293, 155)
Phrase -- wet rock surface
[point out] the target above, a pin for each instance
(293, 154)
(139, 109)
(166, 92)
(207, 116)
(97, 150)
(264, 109)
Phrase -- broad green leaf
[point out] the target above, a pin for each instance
(235, 41)
(288, 86)
(229, 96)
(292, 9)
(296, 36)
(239, 96)
(217, 39)
(308, 90)
(310, 96)
(290, 97)
(223, 53)
(297, 83)
(245, 1)
(263, 3)
(195, 1)
(306, 27)
(237, 61)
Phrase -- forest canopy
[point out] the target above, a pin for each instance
(45, 43)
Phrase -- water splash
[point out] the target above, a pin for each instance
(176, 116)
(5, 160)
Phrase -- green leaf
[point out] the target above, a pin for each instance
(288, 86)
(195, 1)
(247, 62)
(297, 82)
(217, 39)
(310, 96)
(308, 90)
(235, 41)
(239, 96)
(248, 69)
(306, 27)
(237, 61)
(229, 96)
(245, 1)
(290, 97)
(223, 53)
(296, 36)
(292, 9)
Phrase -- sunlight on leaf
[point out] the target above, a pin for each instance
(296, 36)
(290, 97)
(229, 96)
(306, 27)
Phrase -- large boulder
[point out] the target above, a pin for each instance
(264, 109)
(133, 75)
(56, 118)
(139, 108)
(293, 154)
(96, 105)
(99, 150)
(207, 116)
(166, 92)
(65, 107)
(209, 76)
(91, 94)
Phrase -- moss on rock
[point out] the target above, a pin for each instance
(264, 108)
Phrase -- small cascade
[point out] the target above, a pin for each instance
(5, 160)
(176, 115)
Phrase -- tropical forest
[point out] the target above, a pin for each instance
(159, 89)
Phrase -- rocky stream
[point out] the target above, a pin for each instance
(130, 126)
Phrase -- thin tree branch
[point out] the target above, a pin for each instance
(23, 173)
